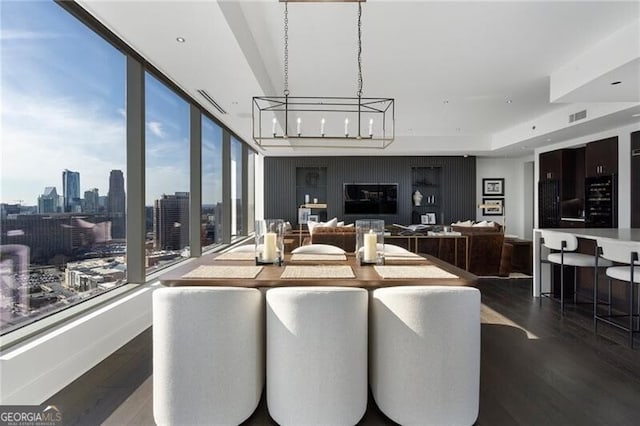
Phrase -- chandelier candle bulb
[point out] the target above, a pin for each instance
(269, 247)
(322, 127)
(371, 127)
(346, 127)
(273, 128)
(370, 246)
(299, 125)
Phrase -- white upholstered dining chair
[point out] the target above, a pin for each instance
(425, 354)
(317, 355)
(208, 354)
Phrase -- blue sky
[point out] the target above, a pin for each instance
(62, 106)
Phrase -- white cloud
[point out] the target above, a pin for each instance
(9, 34)
(155, 127)
(41, 136)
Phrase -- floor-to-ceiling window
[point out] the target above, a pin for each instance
(236, 189)
(62, 186)
(212, 207)
(167, 174)
(63, 198)
(251, 191)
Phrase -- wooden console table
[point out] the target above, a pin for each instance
(420, 244)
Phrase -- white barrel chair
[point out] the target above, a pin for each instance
(208, 354)
(317, 355)
(425, 354)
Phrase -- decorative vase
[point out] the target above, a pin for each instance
(417, 198)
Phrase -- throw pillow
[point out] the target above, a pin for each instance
(318, 249)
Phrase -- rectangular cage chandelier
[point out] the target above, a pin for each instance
(323, 122)
(282, 121)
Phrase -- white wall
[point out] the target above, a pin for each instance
(518, 191)
(624, 166)
(33, 371)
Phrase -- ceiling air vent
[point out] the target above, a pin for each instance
(211, 101)
(578, 116)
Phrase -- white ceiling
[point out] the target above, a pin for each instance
(450, 65)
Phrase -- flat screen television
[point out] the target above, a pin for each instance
(370, 198)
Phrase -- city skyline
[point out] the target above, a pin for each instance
(54, 96)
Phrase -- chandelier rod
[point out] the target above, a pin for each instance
(360, 82)
(286, 69)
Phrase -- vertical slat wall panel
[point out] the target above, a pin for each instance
(458, 184)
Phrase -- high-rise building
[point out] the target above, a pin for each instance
(116, 207)
(71, 191)
(91, 201)
(171, 222)
(54, 239)
(49, 201)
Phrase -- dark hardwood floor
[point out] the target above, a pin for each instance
(537, 369)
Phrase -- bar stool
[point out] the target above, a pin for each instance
(566, 244)
(626, 253)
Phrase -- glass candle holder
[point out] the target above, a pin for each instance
(370, 241)
(269, 241)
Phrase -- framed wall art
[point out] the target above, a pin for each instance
(488, 208)
(492, 187)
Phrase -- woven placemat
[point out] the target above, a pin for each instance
(318, 271)
(407, 255)
(210, 271)
(404, 260)
(310, 256)
(236, 256)
(408, 271)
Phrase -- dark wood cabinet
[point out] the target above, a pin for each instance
(551, 165)
(635, 179)
(561, 187)
(601, 157)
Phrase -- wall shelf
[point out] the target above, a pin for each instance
(427, 180)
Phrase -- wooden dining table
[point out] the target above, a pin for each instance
(225, 269)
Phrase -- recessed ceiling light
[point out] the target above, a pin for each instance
(180, 39)
(615, 82)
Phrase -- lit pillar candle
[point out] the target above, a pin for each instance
(299, 125)
(322, 127)
(370, 246)
(269, 247)
(346, 127)
(273, 128)
(371, 127)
